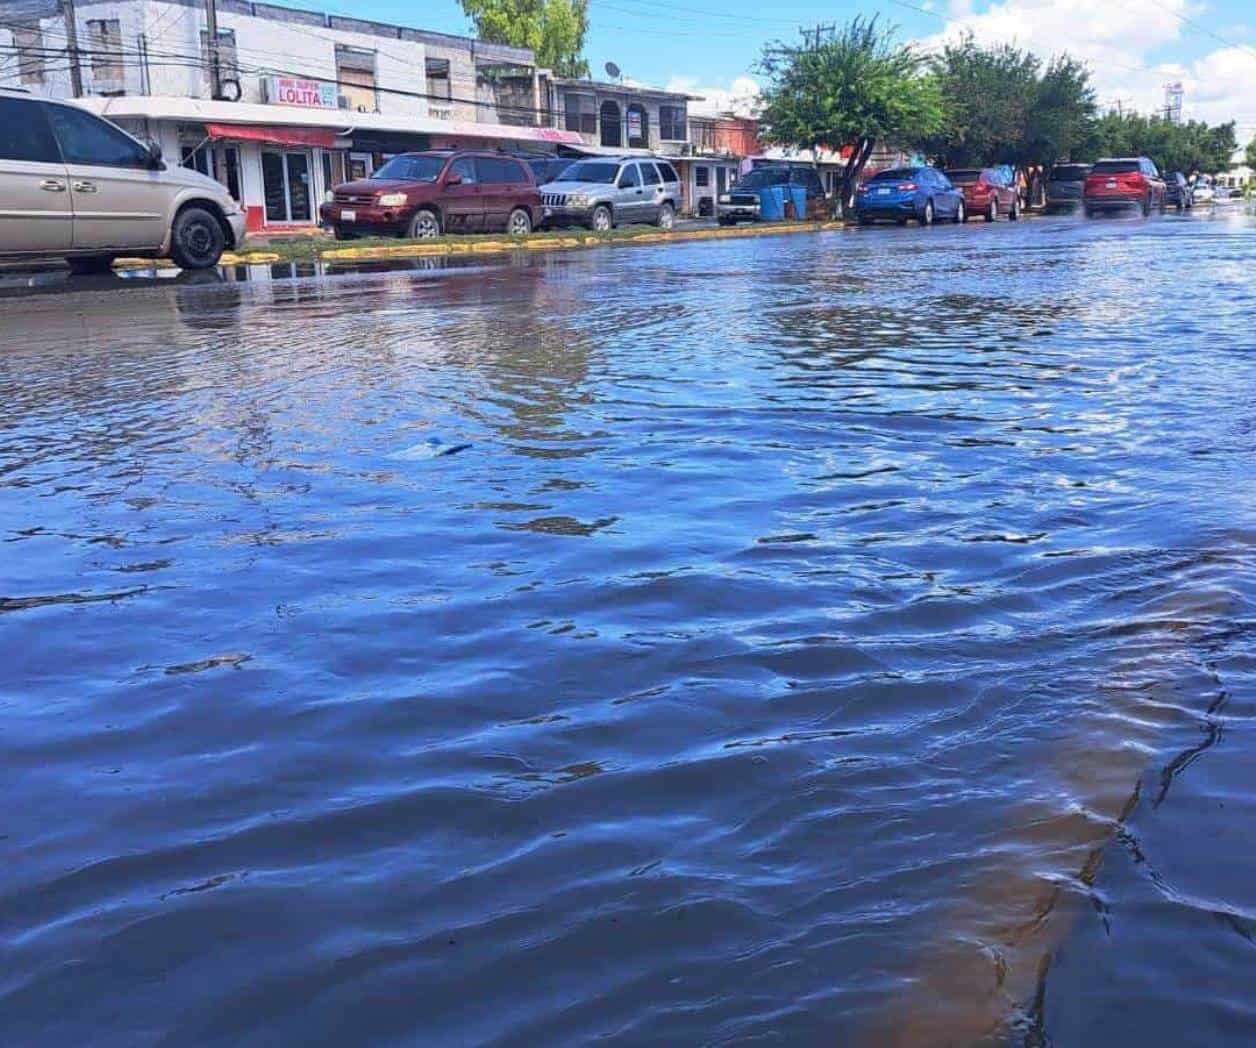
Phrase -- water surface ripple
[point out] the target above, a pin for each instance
(817, 640)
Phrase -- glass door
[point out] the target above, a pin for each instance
(286, 186)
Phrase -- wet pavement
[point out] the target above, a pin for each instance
(825, 639)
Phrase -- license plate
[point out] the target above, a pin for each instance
(348, 216)
(883, 192)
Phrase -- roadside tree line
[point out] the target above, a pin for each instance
(968, 105)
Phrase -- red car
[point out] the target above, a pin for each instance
(436, 192)
(989, 191)
(1123, 183)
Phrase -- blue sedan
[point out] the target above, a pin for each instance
(922, 193)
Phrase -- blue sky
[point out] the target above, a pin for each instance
(1134, 46)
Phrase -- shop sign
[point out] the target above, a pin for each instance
(294, 91)
(634, 123)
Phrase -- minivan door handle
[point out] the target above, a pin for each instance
(84, 187)
(52, 185)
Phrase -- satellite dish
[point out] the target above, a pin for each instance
(612, 70)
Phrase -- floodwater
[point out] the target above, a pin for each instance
(827, 639)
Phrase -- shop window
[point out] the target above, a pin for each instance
(29, 41)
(105, 40)
(202, 159)
(286, 186)
(701, 177)
(672, 123)
(581, 113)
(355, 69)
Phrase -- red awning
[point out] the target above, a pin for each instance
(284, 136)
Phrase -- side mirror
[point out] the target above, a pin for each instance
(453, 179)
(154, 154)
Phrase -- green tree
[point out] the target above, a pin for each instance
(1193, 147)
(1059, 120)
(856, 88)
(553, 29)
(1250, 155)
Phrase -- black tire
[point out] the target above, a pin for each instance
(340, 233)
(726, 221)
(1015, 213)
(961, 213)
(520, 222)
(929, 215)
(601, 221)
(425, 225)
(667, 217)
(196, 239)
(87, 265)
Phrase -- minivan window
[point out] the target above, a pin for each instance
(86, 139)
(411, 168)
(650, 173)
(591, 171)
(26, 136)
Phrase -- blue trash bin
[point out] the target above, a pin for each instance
(798, 194)
(772, 203)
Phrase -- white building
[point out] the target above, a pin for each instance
(307, 100)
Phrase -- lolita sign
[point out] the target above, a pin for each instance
(294, 91)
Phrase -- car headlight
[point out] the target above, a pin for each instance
(725, 199)
(390, 199)
(580, 199)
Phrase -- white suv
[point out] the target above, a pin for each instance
(75, 185)
(603, 192)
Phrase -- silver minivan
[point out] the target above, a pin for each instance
(603, 192)
(76, 185)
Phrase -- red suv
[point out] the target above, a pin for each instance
(432, 193)
(988, 191)
(1128, 182)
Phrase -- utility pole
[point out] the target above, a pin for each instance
(813, 36)
(71, 45)
(217, 156)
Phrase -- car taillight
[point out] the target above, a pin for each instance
(1135, 181)
(863, 187)
(907, 187)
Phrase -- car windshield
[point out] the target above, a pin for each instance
(1069, 172)
(1115, 167)
(963, 178)
(411, 168)
(762, 177)
(896, 174)
(591, 171)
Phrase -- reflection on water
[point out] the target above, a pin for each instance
(724, 642)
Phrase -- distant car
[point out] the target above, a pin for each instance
(1064, 186)
(431, 193)
(1123, 183)
(903, 193)
(988, 192)
(741, 202)
(1203, 192)
(605, 192)
(1177, 191)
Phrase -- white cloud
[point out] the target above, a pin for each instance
(740, 97)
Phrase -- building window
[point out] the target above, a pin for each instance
(228, 69)
(286, 186)
(438, 85)
(638, 127)
(201, 158)
(30, 55)
(581, 113)
(702, 135)
(672, 123)
(355, 69)
(701, 177)
(612, 130)
(105, 40)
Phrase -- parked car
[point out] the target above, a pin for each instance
(75, 185)
(1177, 192)
(901, 193)
(1203, 192)
(606, 192)
(1123, 183)
(989, 192)
(741, 202)
(439, 191)
(1065, 184)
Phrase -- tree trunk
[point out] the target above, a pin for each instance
(850, 177)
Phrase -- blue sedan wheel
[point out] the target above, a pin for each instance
(927, 218)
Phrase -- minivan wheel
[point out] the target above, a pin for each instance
(425, 225)
(667, 217)
(84, 265)
(520, 224)
(196, 239)
(601, 220)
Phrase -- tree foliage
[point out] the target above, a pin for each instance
(1250, 155)
(553, 29)
(856, 88)
(1193, 147)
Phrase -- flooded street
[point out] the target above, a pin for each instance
(819, 639)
